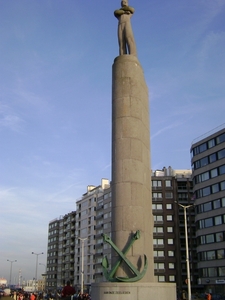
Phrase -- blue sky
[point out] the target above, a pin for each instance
(55, 102)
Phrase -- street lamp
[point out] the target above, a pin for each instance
(187, 251)
(82, 264)
(10, 276)
(37, 254)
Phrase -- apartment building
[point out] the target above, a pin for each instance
(61, 250)
(75, 242)
(170, 189)
(208, 165)
(89, 227)
(103, 225)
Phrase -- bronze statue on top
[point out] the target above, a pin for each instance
(125, 33)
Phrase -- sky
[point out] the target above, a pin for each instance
(55, 103)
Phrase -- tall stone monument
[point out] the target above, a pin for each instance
(131, 274)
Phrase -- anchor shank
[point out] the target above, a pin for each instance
(116, 266)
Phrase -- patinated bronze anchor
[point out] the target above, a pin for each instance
(110, 275)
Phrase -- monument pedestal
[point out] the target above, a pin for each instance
(133, 291)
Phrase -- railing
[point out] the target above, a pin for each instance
(205, 135)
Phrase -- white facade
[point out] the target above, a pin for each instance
(87, 224)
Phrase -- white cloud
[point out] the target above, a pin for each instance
(166, 128)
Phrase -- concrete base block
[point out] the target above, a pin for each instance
(133, 291)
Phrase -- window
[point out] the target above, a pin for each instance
(161, 278)
(171, 265)
(215, 188)
(218, 220)
(206, 191)
(204, 176)
(195, 151)
(168, 183)
(220, 254)
(204, 272)
(106, 196)
(158, 229)
(214, 172)
(157, 195)
(208, 222)
(223, 202)
(221, 154)
(204, 161)
(221, 271)
(222, 170)
(158, 242)
(212, 158)
(182, 185)
(182, 196)
(216, 204)
(171, 278)
(220, 138)
(168, 206)
(169, 229)
(202, 147)
(222, 185)
(202, 256)
(219, 237)
(159, 266)
(207, 206)
(210, 255)
(169, 195)
(159, 253)
(197, 164)
(170, 253)
(158, 218)
(211, 143)
(209, 238)
(156, 183)
(157, 206)
(212, 272)
(169, 218)
(170, 241)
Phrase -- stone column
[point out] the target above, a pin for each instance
(131, 176)
(131, 186)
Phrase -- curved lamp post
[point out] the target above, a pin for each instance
(10, 274)
(37, 254)
(43, 265)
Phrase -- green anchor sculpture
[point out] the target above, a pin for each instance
(110, 275)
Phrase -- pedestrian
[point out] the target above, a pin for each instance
(68, 291)
(208, 296)
(32, 296)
